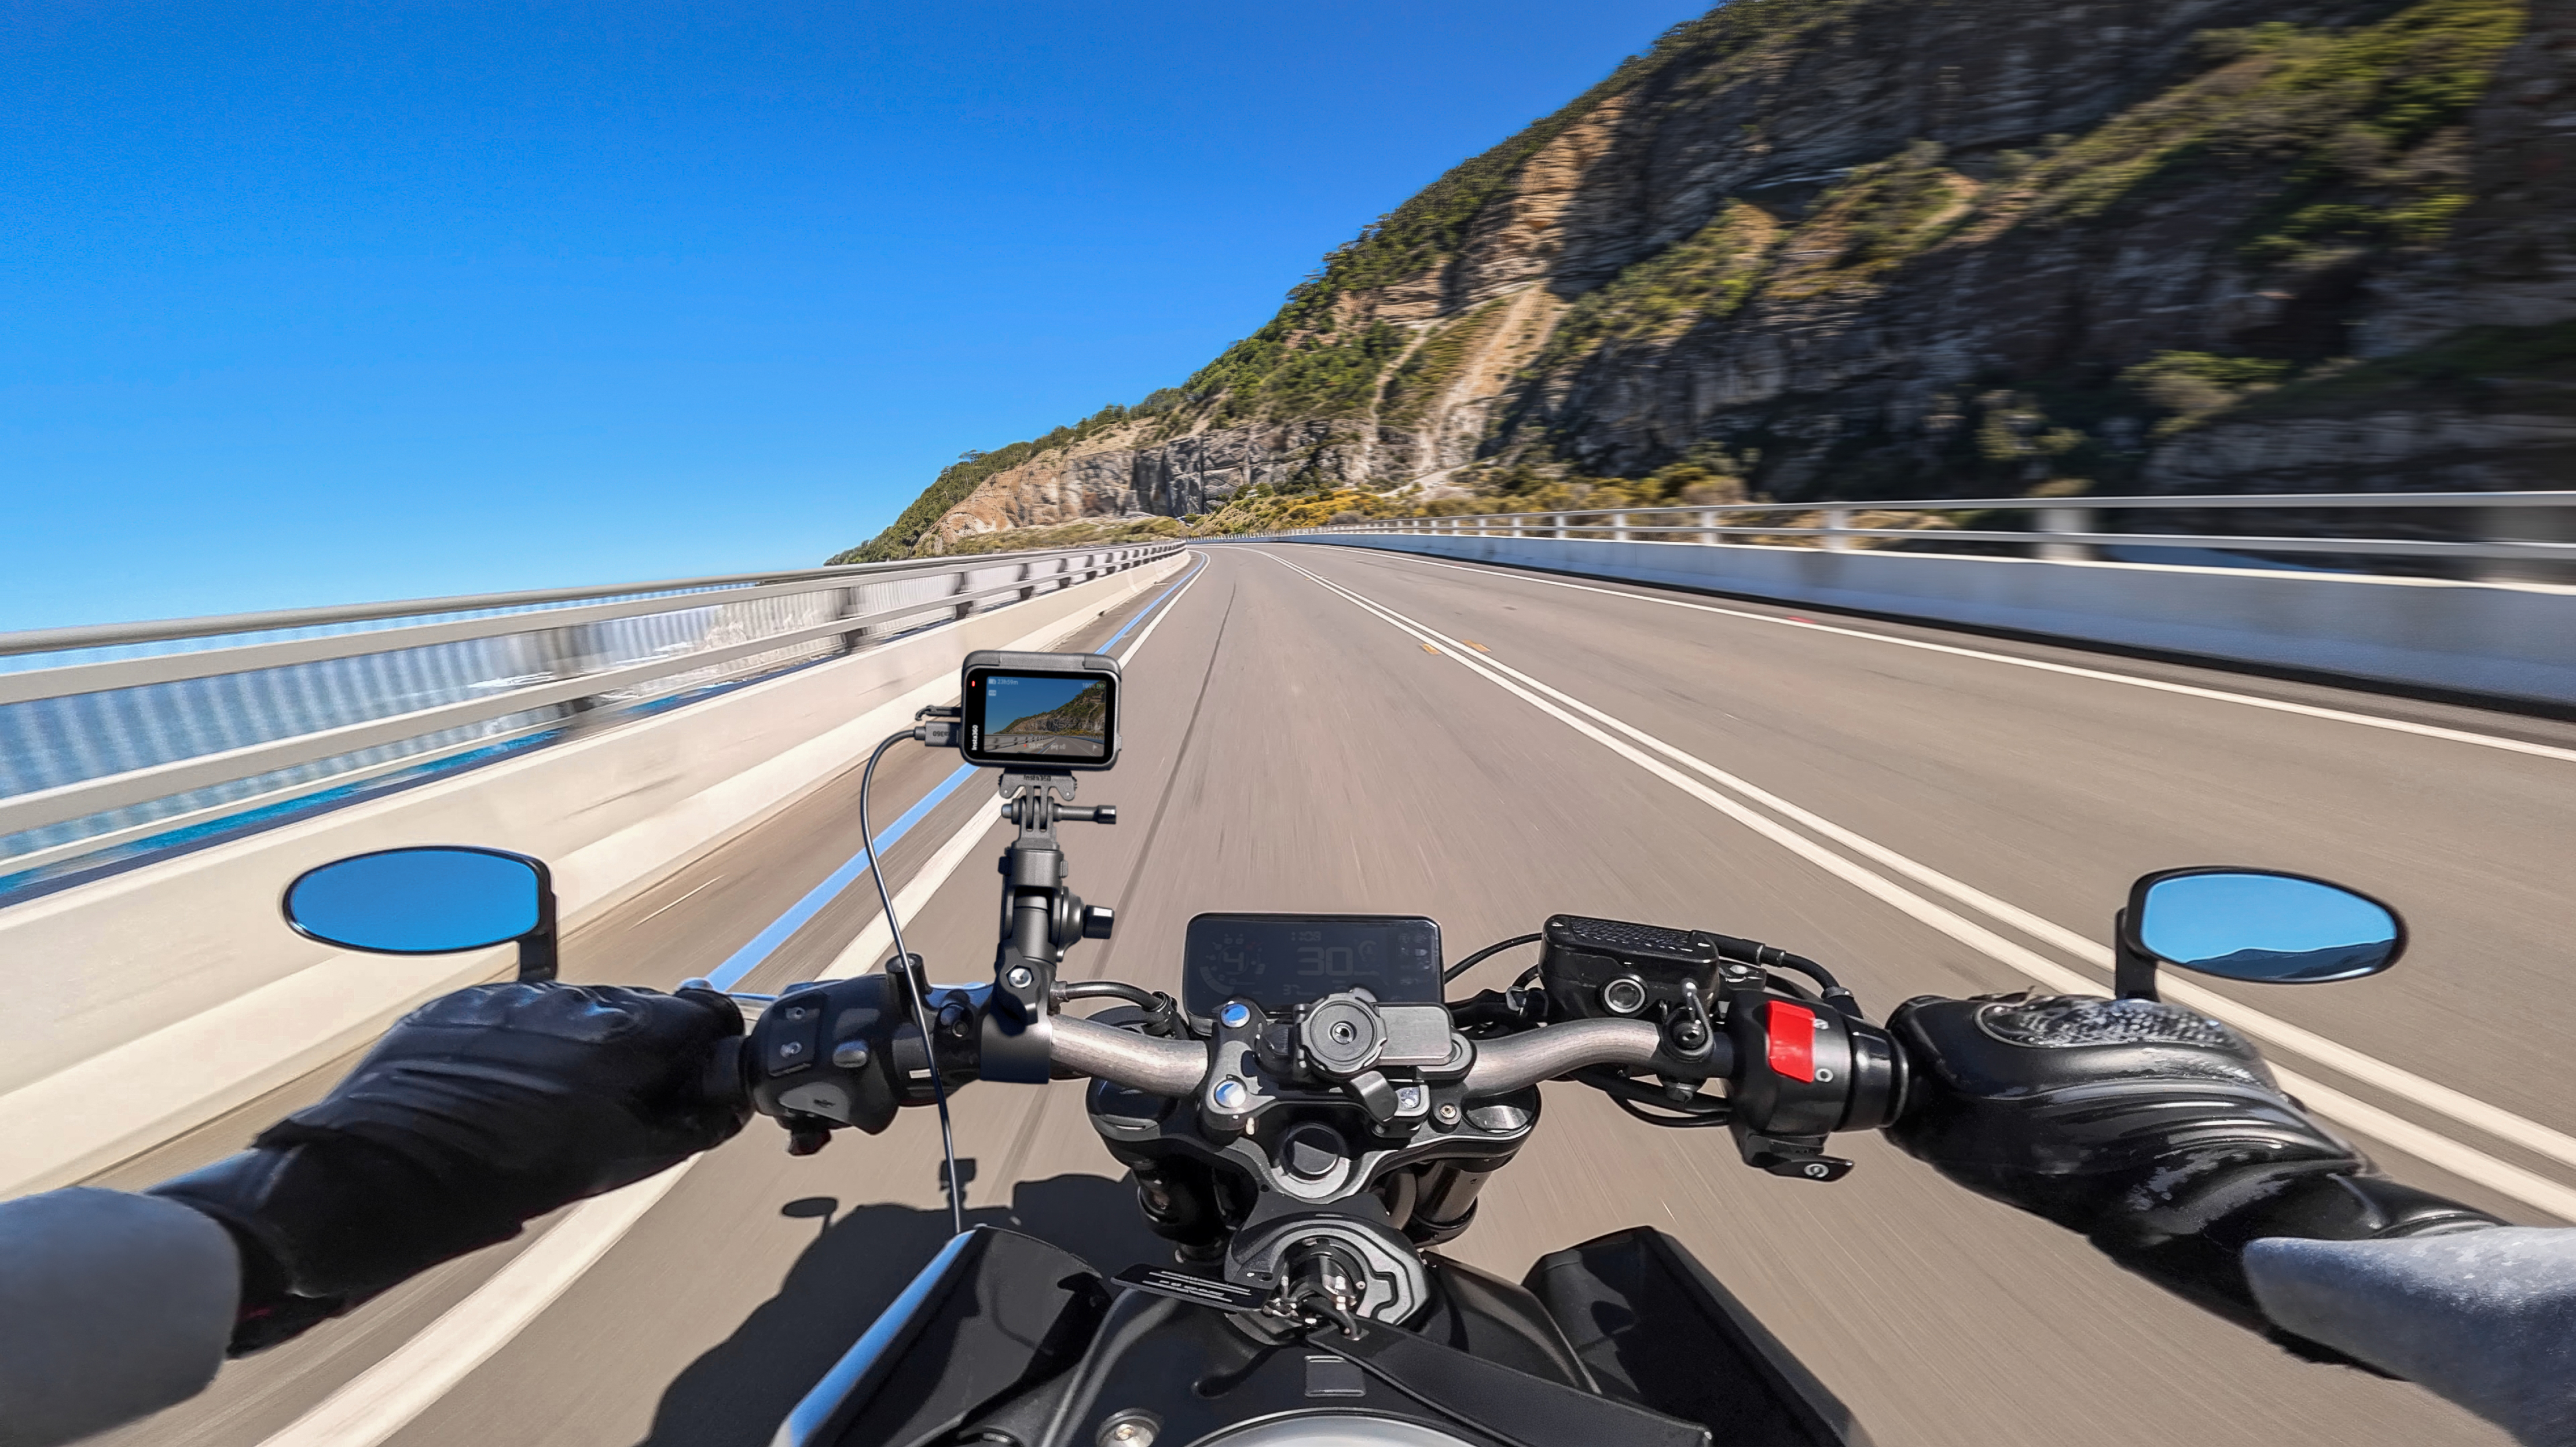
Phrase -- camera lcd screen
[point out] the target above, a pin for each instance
(1048, 719)
(1281, 960)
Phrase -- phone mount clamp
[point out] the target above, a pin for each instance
(1040, 917)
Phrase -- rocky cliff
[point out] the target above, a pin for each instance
(1888, 248)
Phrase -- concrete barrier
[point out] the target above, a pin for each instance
(2504, 640)
(150, 1002)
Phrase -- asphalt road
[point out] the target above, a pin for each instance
(1528, 747)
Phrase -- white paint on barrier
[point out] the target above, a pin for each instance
(2513, 640)
(174, 993)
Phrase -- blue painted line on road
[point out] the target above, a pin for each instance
(764, 944)
(1148, 610)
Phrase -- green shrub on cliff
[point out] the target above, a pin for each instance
(2192, 385)
(2358, 126)
(1709, 274)
(1270, 375)
(1426, 374)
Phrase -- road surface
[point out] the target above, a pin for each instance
(1327, 729)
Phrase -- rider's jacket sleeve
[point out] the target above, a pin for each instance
(2486, 1318)
(112, 1306)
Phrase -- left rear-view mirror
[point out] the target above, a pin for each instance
(430, 900)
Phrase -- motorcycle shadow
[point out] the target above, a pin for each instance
(737, 1392)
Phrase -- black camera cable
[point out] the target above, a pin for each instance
(912, 977)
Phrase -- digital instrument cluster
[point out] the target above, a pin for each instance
(1280, 961)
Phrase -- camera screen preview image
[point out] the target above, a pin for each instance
(1040, 716)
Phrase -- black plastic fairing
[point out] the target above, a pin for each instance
(994, 1312)
(1656, 1329)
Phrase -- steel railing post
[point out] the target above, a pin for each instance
(2055, 520)
(856, 638)
(567, 653)
(1618, 527)
(1708, 525)
(1838, 537)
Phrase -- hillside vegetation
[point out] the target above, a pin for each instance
(1858, 249)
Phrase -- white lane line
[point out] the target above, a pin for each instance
(1166, 611)
(384, 1398)
(2305, 710)
(876, 942)
(2507, 1179)
(681, 900)
(387, 1396)
(2443, 1100)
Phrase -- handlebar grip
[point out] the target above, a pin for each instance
(721, 1084)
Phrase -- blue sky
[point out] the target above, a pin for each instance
(312, 304)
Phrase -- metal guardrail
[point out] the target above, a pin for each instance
(119, 733)
(2066, 529)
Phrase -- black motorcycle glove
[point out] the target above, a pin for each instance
(2156, 1131)
(477, 1112)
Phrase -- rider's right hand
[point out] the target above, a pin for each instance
(2156, 1131)
(477, 1112)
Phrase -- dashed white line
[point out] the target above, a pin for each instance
(681, 900)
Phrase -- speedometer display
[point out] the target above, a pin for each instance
(1280, 960)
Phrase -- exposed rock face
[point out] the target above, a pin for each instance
(1880, 248)
(2511, 257)
(1192, 473)
(2445, 448)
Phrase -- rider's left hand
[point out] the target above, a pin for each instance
(477, 1112)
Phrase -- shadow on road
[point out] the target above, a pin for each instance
(736, 1394)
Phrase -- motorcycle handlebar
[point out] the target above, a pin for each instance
(1123, 1057)
(1503, 1066)
(1177, 1068)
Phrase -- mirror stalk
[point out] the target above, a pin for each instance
(537, 946)
(2133, 970)
(537, 953)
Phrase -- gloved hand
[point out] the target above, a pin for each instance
(2156, 1131)
(476, 1112)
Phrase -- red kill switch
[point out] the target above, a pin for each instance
(1793, 1041)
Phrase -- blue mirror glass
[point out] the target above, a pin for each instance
(2267, 927)
(427, 901)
